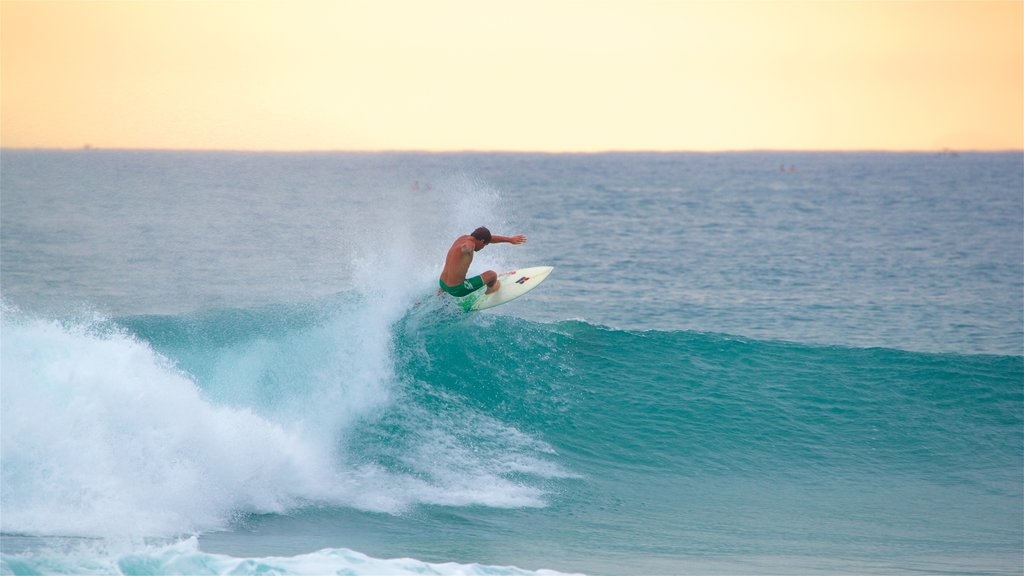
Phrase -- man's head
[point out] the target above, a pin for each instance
(483, 235)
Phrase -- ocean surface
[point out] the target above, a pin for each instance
(743, 363)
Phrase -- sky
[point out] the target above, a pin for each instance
(523, 75)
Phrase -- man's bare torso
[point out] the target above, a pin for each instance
(456, 264)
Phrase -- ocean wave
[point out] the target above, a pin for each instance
(173, 425)
(158, 426)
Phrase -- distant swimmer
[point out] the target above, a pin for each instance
(456, 265)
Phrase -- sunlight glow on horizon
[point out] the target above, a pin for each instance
(531, 76)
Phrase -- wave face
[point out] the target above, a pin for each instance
(253, 419)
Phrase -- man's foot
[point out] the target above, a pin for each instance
(494, 287)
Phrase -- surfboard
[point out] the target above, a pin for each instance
(514, 284)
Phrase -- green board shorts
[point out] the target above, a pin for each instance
(468, 287)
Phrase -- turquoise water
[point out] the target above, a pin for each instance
(237, 363)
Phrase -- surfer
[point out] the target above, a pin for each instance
(453, 278)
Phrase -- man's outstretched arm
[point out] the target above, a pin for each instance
(518, 239)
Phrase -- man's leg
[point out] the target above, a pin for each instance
(491, 281)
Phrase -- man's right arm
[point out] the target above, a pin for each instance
(517, 239)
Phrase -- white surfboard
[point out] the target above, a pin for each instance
(513, 285)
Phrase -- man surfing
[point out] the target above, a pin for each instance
(453, 278)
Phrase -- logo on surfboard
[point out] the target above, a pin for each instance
(523, 280)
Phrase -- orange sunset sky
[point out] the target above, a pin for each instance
(532, 75)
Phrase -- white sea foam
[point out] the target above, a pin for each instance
(185, 557)
(103, 436)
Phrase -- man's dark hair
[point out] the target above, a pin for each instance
(482, 234)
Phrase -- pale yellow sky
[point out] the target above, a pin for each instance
(539, 75)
